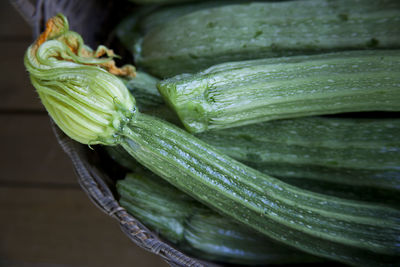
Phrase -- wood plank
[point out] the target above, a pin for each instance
(64, 228)
(16, 91)
(31, 153)
(17, 263)
(12, 24)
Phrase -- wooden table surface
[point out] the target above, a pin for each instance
(46, 219)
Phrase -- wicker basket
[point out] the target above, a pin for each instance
(94, 20)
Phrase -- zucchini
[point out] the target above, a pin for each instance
(165, 2)
(360, 183)
(144, 87)
(203, 233)
(120, 156)
(144, 19)
(156, 204)
(246, 92)
(359, 192)
(352, 151)
(196, 229)
(318, 224)
(347, 151)
(93, 106)
(254, 30)
(350, 157)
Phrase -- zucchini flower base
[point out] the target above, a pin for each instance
(78, 86)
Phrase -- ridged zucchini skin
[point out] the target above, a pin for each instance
(352, 151)
(377, 186)
(156, 204)
(196, 229)
(346, 156)
(144, 87)
(120, 156)
(164, 2)
(144, 19)
(204, 233)
(348, 231)
(361, 193)
(240, 93)
(194, 41)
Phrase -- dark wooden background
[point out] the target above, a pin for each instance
(45, 217)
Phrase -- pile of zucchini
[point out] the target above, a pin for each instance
(254, 132)
(193, 227)
(305, 91)
(354, 156)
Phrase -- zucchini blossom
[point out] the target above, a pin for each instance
(78, 86)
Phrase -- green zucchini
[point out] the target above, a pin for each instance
(318, 224)
(363, 152)
(120, 156)
(165, 2)
(144, 19)
(234, 245)
(359, 192)
(353, 151)
(144, 87)
(196, 229)
(156, 204)
(355, 158)
(246, 92)
(93, 106)
(250, 146)
(237, 32)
